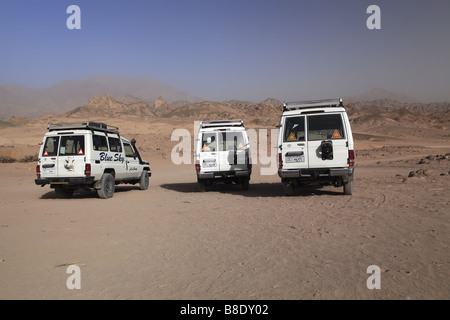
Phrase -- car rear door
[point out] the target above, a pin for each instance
(49, 155)
(293, 143)
(232, 154)
(71, 156)
(327, 128)
(208, 158)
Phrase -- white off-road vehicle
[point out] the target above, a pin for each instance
(89, 155)
(315, 144)
(222, 153)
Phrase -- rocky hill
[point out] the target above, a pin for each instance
(18, 100)
(101, 106)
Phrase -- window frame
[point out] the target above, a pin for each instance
(56, 148)
(95, 147)
(110, 139)
(125, 145)
(341, 129)
(286, 135)
(76, 153)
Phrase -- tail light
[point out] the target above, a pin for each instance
(87, 170)
(280, 161)
(197, 166)
(38, 171)
(351, 158)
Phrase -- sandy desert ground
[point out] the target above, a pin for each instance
(173, 242)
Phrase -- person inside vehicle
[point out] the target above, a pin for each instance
(209, 144)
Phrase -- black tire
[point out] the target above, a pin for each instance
(144, 181)
(245, 183)
(202, 185)
(64, 193)
(288, 188)
(348, 188)
(107, 186)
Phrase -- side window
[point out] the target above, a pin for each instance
(325, 126)
(71, 146)
(50, 147)
(129, 152)
(231, 141)
(294, 129)
(100, 143)
(114, 144)
(209, 142)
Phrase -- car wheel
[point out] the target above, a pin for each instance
(348, 188)
(63, 193)
(202, 185)
(144, 181)
(288, 189)
(107, 186)
(245, 183)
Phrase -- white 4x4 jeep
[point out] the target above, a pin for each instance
(89, 155)
(315, 144)
(222, 153)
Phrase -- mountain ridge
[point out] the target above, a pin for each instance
(18, 100)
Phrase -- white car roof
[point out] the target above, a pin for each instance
(313, 110)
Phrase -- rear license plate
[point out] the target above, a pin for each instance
(209, 164)
(48, 170)
(295, 159)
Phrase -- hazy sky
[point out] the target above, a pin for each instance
(234, 49)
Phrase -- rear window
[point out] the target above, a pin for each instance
(71, 146)
(325, 126)
(294, 129)
(231, 141)
(50, 147)
(209, 142)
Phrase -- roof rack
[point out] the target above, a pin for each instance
(222, 123)
(333, 102)
(90, 125)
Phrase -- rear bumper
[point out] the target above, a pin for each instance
(317, 173)
(224, 174)
(72, 181)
